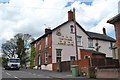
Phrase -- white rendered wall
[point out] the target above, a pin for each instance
(67, 51)
(47, 67)
(105, 47)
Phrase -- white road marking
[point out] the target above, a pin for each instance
(12, 75)
(8, 74)
(68, 75)
(17, 78)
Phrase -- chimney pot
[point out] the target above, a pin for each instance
(70, 15)
(104, 31)
(47, 30)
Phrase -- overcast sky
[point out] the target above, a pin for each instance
(33, 16)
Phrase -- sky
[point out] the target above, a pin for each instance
(33, 16)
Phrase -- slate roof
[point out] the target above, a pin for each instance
(114, 19)
(94, 52)
(100, 36)
(90, 34)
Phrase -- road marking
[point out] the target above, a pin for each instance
(17, 78)
(12, 75)
(68, 75)
(8, 74)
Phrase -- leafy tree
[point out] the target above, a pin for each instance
(17, 46)
(32, 57)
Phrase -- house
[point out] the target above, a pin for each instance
(56, 48)
(116, 22)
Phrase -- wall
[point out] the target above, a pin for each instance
(104, 47)
(47, 67)
(117, 29)
(67, 51)
(108, 73)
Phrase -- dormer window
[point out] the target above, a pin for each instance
(71, 28)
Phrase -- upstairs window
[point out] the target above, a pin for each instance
(71, 28)
(90, 43)
(46, 42)
(79, 41)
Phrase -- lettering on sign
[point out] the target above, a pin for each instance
(68, 41)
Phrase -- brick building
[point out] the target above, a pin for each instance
(116, 22)
(56, 48)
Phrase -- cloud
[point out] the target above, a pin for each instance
(33, 16)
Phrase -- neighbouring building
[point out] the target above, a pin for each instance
(116, 22)
(56, 48)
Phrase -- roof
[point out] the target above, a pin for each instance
(90, 34)
(114, 19)
(100, 36)
(44, 35)
(93, 52)
(57, 28)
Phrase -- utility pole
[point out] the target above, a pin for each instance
(75, 34)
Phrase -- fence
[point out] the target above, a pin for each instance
(108, 62)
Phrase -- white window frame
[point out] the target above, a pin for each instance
(46, 42)
(46, 58)
(79, 41)
(90, 43)
(71, 29)
(58, 54)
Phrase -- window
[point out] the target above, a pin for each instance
(58, 55)
(39, 60)
(71, 28)
(40, 47)
(46, 42)
(72, 58)
(46, 58)
(86, 57)
(79, 40)
(90, 43)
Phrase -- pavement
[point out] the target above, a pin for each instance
(53, 74)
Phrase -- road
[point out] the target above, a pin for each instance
(29, 74)
(21, 74)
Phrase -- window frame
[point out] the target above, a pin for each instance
(71, 29)
(90, 43)
(79, 42)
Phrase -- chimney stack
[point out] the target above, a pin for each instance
(70, 15)
(104, 31)
(47, 30)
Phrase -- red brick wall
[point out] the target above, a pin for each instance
(117, 29)
(50, 48)
(42, 50)
(99, 56)
(83, 53)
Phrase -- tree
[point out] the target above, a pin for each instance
(32, 57)
(17, 46)
(9, 48)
